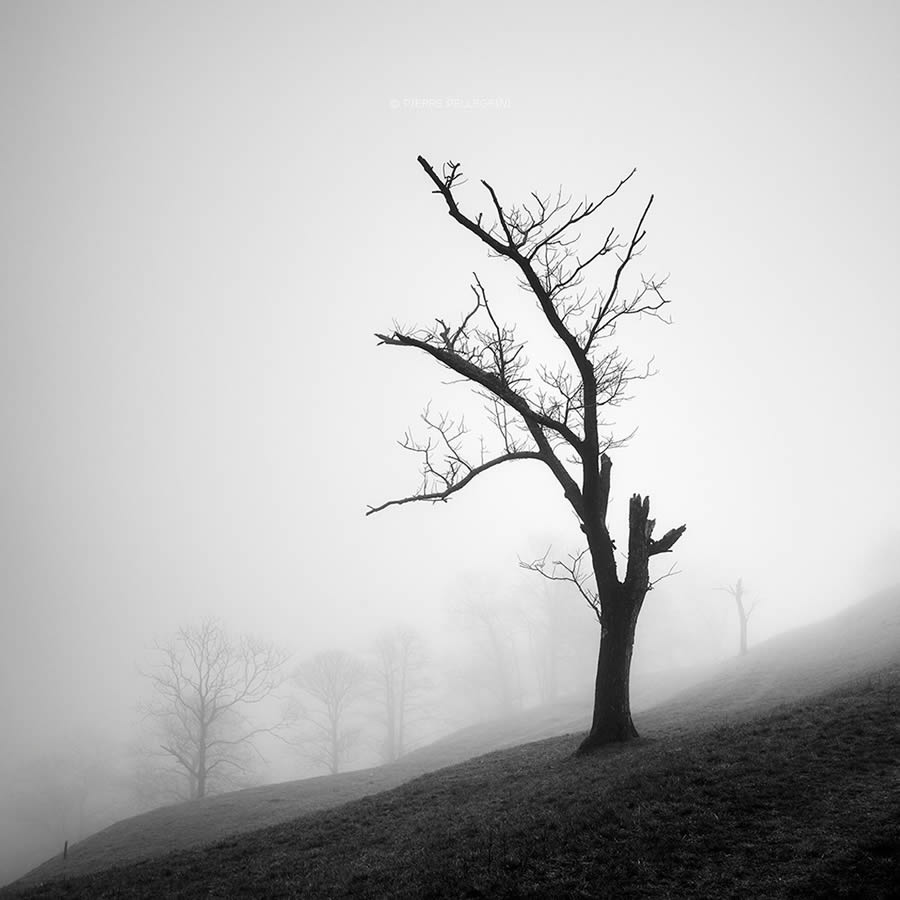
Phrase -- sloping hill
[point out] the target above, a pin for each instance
(200, 822)
(862, 639)
(854, 648)
(799, 802)
(568, 715)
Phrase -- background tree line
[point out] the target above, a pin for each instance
(224, 712)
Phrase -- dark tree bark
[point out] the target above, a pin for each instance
(552, 415)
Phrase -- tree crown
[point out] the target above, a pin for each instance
(555, 414)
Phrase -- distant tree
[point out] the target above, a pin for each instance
(203, 687)
(560, 648)
(543, 642)
(492, 637)
(398, 677)
(153, 785)
(333, 681)
(63, 792)
(553, 414)
(739, 593)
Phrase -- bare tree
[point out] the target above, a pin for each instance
(203, 687)
(58, 795)
(554, 414)
(333, 681)
(66, 793)
(398, 677)
(544, 647)
(560, 647)
(744, 612)
(493, 637)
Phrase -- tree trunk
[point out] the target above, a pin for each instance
(398, 748)
(612, 702)
(620, 604)
(201, 774)
(201, 754)
(743, 614)
(335, 761)
(390, 747)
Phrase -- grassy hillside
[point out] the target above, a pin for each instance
(791, 797)
(201, 822)
(803, 801)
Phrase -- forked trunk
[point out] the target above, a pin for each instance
(612, 721)
(620, 605)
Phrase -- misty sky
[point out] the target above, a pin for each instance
(209, 208)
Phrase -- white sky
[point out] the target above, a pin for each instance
(208, 209)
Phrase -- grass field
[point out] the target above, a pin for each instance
(201, 822)
(778, 778)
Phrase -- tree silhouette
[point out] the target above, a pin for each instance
(492, 629)
(398, 678)
(744, 612)
(203, 686)
(553, 413)
(333, 681)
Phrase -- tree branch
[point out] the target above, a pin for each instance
(443, 496)
(573, 575)
(488, 380)
(667, 541)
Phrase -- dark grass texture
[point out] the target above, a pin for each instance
(787, 669)
(801, 801)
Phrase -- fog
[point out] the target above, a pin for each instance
(209, 209)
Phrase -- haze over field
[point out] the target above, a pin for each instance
(209, 209)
